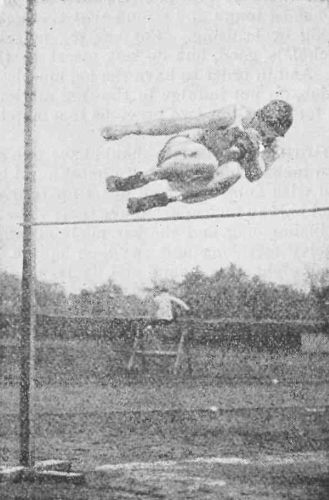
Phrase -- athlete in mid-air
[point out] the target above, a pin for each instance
(206, 154)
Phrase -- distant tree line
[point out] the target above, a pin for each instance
(228, 293)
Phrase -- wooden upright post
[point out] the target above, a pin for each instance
(28, 312)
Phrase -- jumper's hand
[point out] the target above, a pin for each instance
(232, 154)
(248, 145)
(113, 133)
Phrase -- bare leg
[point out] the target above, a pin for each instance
(180, 161)
(180, 350)
(186, 165)
(184, 162)
(195, 191)
(137, 341)
(183, 175)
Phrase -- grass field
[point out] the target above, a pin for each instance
(235, 404)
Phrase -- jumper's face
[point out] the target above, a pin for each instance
(267, 133)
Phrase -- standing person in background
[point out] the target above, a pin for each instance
(163, 317)
(164, 302)
(164, 313)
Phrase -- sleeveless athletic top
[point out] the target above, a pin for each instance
(219, 140)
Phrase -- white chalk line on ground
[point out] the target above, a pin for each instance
(192, 480)
(263, 460)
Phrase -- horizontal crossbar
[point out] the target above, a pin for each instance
(180, 217)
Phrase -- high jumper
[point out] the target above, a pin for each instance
(206, 154)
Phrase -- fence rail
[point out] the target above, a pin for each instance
(261, 335)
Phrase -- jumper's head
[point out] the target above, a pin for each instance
(274, 119)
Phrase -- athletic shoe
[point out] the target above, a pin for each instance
(136, 205)
(114, 183)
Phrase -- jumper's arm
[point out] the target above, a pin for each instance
(221, 118)
(256, 167)
(179, 302)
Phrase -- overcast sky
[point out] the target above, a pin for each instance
(106, 61)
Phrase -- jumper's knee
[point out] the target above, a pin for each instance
(231, 171)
